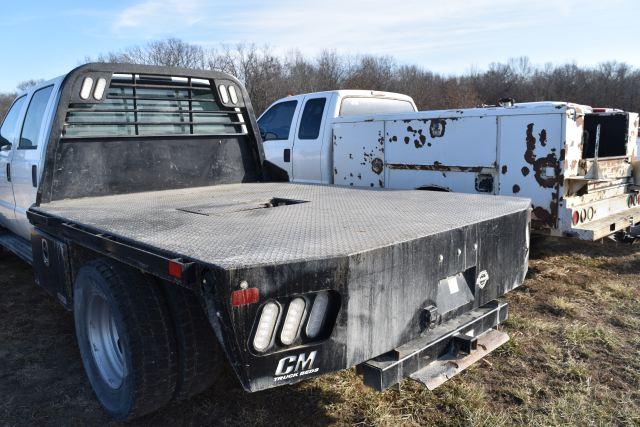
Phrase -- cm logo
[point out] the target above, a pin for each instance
(298, 363)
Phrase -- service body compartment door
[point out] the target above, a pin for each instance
(358, 154)
(455, 154)
(531, 157)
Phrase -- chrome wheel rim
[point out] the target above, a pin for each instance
(106, 346)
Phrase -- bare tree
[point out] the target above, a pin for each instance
(269, 76)
(6, 99)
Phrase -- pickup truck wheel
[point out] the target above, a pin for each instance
(200, 357)
(126, 339)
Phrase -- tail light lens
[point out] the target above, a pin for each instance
(266, 325)
(576, 217)
(295, 320)
(317, 315)
(292, 321)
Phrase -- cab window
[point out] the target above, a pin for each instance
(311, 118)
(33, 119)
(276, 122)
(10, 124)
(357, 106)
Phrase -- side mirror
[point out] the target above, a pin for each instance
(5, 145)
(268, 136)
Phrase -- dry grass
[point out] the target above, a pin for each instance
(574, 359)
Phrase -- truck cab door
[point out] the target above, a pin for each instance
(26, 164)
(277, 136)
(8, 137)
(307, 145)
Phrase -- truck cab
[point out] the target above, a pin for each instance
(23, 137)
(296, 130)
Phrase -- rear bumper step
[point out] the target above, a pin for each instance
(604, 227)
(439, 371)
(442, 352)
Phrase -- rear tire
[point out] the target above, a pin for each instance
(126, 339)
(200, 357)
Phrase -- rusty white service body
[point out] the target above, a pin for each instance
(544, 151)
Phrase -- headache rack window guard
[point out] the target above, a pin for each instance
(122, 111)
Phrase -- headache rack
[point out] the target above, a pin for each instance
(150, 105)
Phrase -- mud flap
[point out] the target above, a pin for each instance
(439, 371)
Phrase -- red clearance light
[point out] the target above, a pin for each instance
(244, 297)
(638, 199)
(175, 269)
(576, 217)
(599, 110)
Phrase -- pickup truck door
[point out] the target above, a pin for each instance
(277, 134)
(25, 164)
(9, 132)
(307, 145)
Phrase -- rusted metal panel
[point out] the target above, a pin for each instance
(453, 141)
(359, 154)
(531, 156)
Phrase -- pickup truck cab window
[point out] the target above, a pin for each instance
(276, 122)
(311, 118)
(354, 106)
(8, 128)
(33, 119)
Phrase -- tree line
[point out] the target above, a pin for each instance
(269, 76)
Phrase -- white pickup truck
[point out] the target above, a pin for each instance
(545, 151)
(141, 197)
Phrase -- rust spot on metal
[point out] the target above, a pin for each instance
(540, 168)
(393, 138)
(525, 171)
(437, 166)
(529, 156)
(516, 189)
(540, 165)
(543, 137)
(542, 216)
(380, 183)
(377, 166)
(504, 169)
(406, 139)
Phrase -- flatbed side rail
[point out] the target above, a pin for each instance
(164, 265)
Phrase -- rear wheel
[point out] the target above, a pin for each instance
(126, 338)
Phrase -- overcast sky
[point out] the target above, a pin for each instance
(43, 39)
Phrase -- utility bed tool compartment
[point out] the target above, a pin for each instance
(53, 269)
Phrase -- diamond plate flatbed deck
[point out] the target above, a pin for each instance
(227, 225)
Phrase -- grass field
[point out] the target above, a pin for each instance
(573, 359)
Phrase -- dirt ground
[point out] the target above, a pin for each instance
(574, 358)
